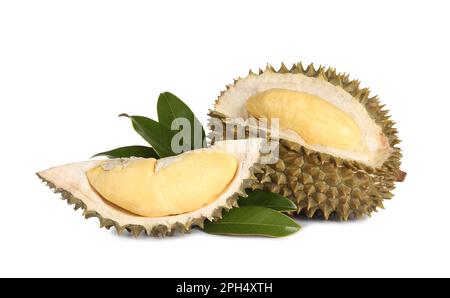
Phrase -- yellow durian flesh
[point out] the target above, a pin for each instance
(316, 120)
(188, 183)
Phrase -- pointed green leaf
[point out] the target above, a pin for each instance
(268, 200)
(170, 108)
(157, 135)
(130, 151)
(253, 220)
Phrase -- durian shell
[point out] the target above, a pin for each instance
(71, 182)
(320, 184)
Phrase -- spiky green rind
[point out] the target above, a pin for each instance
(320, 184)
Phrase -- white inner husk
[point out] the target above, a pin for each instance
(376, 146)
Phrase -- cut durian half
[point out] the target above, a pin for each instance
(159, 197)
(338, 145)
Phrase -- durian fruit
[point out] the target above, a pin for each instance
(159, 197)
(338, 153)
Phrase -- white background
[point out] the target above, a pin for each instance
(67, 68)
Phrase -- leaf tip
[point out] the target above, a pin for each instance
(166, 93)
(97, 155)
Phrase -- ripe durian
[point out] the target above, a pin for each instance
(338, 153)
(159, 197)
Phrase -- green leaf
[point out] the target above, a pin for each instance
(170, 108)
(268, 200)
(253, 220)
(157, 135)
(129, 151)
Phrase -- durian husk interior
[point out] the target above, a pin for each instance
(338, 148)
(159, 197)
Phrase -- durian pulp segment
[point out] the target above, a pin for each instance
(188, 183)
(317, 121)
